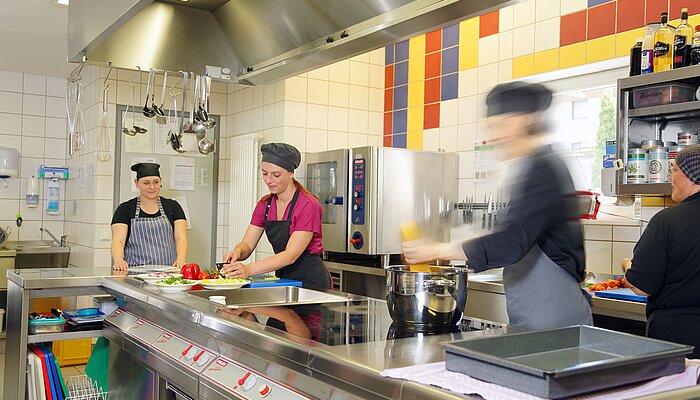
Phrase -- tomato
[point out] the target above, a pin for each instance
(203, 275)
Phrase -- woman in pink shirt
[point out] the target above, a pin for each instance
(290, 216)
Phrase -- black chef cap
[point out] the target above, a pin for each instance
(517, 97)
(281, 154)
(146, 169)
(688, 160)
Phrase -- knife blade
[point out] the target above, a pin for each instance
(483, 216)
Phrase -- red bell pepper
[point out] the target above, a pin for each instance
(190, 271)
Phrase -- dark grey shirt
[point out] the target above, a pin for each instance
(543, 210)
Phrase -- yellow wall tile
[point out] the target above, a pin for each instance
(523, 66)
(469, 30)
(415, 119)
(652, 201)
(600, 49)
(416, 46)
(694, 20)
(416, 69)
(468, 54)
(415, 140)
(625, 41)
(546, 61)
(572, 55)
(415, 93)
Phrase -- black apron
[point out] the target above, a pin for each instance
(308, 268)
(678, 325)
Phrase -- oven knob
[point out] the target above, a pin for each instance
(191, 353)
(247, 382)
(264, 391)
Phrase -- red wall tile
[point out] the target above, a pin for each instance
(693, 7)
(431, 116)
(601, 20)
(388, 76)
(387, 140)
(654, 9)
(630, 15)
(433, 65)
(488, 24)
(432, 91)
(433, 41)
(388, 122)
(572, 28)
(388, 99)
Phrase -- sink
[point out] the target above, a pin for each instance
(39, 254)
(270, 296)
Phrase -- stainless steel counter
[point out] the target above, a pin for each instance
(319, 368)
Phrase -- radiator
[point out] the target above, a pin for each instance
(244, 184)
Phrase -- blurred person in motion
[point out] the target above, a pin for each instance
(666, 261)
(540, 241)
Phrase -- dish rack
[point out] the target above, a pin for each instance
(84, 388)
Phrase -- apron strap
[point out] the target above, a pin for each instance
(291, 206)
(138, 207)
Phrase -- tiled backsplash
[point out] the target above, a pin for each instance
(607, 245)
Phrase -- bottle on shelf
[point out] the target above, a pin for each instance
(648, 51)
(636, 58)
(663, 45)
(682, 42)
(695, 49)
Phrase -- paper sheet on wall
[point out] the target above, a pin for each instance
(182, 200)
(182, 173)
(135, 160)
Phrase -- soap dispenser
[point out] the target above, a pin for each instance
(32, 197)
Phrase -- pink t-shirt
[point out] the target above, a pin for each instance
(306, 218)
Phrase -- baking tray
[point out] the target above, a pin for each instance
(556, 363)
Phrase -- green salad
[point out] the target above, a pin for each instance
(174, 281)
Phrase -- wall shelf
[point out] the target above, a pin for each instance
(660, 189)
(50, 337)
(667, 111)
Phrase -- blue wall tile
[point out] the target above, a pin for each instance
(389, 54)
(592, 3)
(450, 36)
(450, 85)
(400, 97)
(450, 60)
(399, 141)
(401, 73)
(401, 52)
(400, 117)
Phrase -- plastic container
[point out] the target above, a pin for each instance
(46, 325)
(657, 95)
(72, 352)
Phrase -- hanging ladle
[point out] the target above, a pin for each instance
(147, 112)
(125, 130)
(206, 90)
(197, 126)
(174, 139)
(205, 145)
(160, 112)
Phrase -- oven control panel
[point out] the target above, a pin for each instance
(359, 187)
(246, 384)
(183, 351)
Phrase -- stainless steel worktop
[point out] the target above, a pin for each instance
(354, 368)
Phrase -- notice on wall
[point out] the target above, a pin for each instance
(182, 200)
(135, 160)
(483, 162)
(182, 173)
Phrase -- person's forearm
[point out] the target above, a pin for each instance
(269, 264)
(181, 249)
(244, 249)
(451, 251)
(117, 251)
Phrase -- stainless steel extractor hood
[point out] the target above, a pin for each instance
(258, 41)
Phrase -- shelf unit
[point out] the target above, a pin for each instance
(50, 337)
(661, 122)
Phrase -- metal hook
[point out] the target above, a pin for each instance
(74, 76)
(176, 84)
(105, 84)
(131, 82)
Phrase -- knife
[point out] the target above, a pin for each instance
(483, 216)
(490, 211)
(497, 206)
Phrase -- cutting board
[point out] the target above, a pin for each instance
(621, 294)
(259, 281)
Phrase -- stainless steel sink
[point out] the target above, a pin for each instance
(39, 254)
(270, 296)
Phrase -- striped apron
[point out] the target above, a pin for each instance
(151, 240)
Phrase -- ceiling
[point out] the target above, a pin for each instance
(33, 37)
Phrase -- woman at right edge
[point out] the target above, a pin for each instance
(540, 242)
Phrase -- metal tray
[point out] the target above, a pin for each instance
(563, 362)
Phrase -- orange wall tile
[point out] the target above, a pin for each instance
(488, 24)
(630, 15)
(433, 41)
(432, 65)
(601, 20)
(573, 28)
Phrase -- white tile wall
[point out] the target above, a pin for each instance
(597, 232)
(547, 34)
(523, 13)
(598, 256)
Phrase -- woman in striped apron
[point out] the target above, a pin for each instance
(149, 229)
